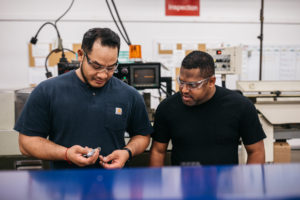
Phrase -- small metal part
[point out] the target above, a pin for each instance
(91, 153)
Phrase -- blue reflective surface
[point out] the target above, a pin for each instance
(280, 181)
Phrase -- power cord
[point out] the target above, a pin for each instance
(127, 40)
(173, 91)
(48, 73)
(60, 44)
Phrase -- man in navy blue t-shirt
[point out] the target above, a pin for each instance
(85, 109)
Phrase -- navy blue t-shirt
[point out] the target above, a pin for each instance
(71, 113)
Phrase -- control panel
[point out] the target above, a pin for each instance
(122, 72)
(227, 60)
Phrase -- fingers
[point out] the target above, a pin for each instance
(76, 155)
(95, 156)
(108, 158)
(104, 160)
(112, 165)
(86, 150)
(114, 160)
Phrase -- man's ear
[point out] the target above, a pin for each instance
(80, 53)
(212, 81)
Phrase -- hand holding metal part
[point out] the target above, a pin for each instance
(91, 153)
(82, 156)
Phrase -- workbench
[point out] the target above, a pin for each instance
(270, 181)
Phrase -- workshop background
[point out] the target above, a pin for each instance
(256, 48)
(230, 22)
(220, 24)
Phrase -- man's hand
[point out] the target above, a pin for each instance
(75, 155)
(116, 159)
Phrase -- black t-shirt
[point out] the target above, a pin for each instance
(208, 133)
(70, 113)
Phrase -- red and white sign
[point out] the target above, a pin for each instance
(182, 7)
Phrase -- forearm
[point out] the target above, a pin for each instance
(256, 158)
(41, 148)
(158, 153)
(157, 158)
(137, 144)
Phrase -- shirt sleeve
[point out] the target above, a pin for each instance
(139, 123)
(34, 119)
(161, 130)
(250, 127)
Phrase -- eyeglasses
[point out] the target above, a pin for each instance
(192, 85)
(101, 68)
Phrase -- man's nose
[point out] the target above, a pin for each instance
(102, 74)
(184, 88)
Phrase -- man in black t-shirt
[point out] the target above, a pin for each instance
(205, 122)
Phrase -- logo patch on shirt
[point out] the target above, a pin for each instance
(118, 111)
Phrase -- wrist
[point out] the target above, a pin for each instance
(66, 156)
(129, 152)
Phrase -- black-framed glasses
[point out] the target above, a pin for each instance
(192, 85)
(101, 68)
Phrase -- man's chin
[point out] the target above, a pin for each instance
(188, 102)
(98, 84)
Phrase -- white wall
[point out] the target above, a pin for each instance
(228, 21)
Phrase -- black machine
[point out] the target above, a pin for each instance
(139, 75)
(65, 66)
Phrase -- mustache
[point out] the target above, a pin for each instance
(98, 79)
(185, 95)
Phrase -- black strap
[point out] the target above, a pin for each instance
(84, 77)
(129, 152)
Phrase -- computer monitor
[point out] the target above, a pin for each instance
(146, 75)
(140, 75)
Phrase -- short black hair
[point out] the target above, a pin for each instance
(201, 60)
(107, 38)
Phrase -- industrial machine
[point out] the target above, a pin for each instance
(278, 104)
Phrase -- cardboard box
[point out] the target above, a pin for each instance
(282, 152)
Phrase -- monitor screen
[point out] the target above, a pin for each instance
(145, 75)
